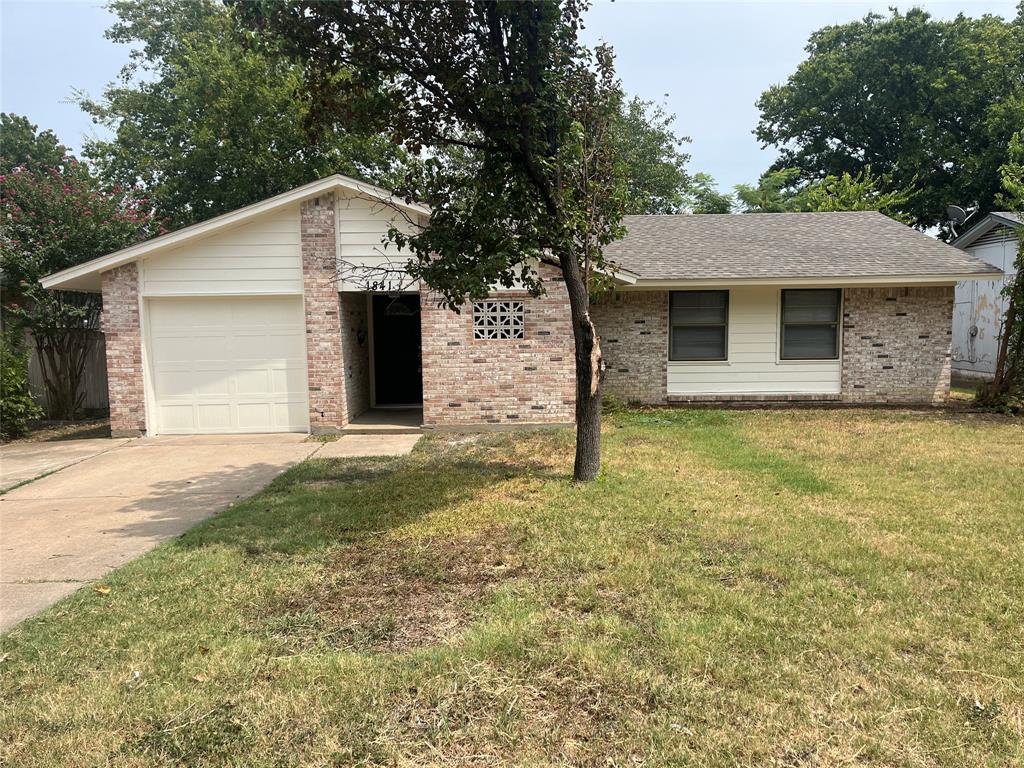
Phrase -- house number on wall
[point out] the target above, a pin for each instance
(383, 285)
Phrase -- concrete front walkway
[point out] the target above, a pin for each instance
(122, 498)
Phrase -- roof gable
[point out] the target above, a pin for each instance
(985, 225)
(86, 276)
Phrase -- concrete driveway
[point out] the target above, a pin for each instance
(20, 462)
(112, 500)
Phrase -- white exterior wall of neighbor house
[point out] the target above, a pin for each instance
(980, 306)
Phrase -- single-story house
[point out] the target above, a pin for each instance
(293, 315)
(979, 305)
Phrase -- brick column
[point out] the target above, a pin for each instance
(325, 368)
(123, 337)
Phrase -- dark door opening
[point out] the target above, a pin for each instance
(397, 361)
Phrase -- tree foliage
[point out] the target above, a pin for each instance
(23, 145)
(776, 192)
(650, 151)
(205, 124)
(512, 83)
(54, 219)
(928, 104)
(781, 192)
(1007, 387)
(17, 406)
(703, 196)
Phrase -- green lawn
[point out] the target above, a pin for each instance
(793, 588)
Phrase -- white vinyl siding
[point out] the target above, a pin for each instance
(753, 366)
(227, 365)
(261, 256)
(367, 260)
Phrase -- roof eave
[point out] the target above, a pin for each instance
(984, 225)
(836, 281)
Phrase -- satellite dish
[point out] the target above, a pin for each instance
(956, 214)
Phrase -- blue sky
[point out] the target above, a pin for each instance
(708, 61)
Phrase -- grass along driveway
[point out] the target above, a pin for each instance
(788, 588)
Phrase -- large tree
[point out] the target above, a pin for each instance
(703, 196)
(651, 154)
(205, 124)
(512, 83)
(55, 218)
(648, 149)
(928, 104)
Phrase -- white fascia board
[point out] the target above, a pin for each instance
(851, 281)
(86, 276)
(620, 275)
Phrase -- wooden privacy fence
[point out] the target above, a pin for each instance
(94, 376)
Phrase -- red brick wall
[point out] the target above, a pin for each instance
(633, 326)
(469, 381)
(896, 344)
(327, 406)
(355, 352)
(123, 338)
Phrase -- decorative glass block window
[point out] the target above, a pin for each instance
(499, 319)
(700, 325)
(810, 324)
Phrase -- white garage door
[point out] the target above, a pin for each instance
(222, 365)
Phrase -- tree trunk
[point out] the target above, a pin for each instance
(62, 356)
(588, 374)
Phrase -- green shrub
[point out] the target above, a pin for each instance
(16, 404)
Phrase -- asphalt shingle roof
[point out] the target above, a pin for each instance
(781, 245)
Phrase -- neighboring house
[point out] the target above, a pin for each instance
(292, 315)
(980, 304)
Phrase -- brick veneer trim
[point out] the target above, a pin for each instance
(122, 332)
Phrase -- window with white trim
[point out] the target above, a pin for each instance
(499, 319)
(810, 324)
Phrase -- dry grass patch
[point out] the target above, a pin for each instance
(789, 588)
(387, 595)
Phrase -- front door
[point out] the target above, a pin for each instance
(397, 363)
